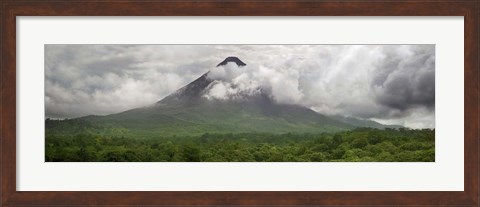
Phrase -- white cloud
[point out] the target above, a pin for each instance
(281, 83)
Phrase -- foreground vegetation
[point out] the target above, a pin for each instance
(359, 145)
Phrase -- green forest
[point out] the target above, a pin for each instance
(357, 145)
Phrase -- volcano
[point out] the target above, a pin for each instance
(188, 111)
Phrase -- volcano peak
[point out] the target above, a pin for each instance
(234, 59)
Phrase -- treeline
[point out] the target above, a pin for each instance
(360, 145)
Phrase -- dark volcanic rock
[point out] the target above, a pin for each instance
(232, 59)
(190, 92)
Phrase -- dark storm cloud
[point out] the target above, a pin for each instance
(407, 81)
(392, 84)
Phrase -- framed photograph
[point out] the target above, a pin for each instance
(239, 103)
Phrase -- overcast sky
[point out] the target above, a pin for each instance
(392, 84)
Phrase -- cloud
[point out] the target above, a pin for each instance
(103, 79)
(237, 81)
(389, 83)
(227, 72)
(407, 79)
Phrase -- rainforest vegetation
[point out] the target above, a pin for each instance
(357, 145)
